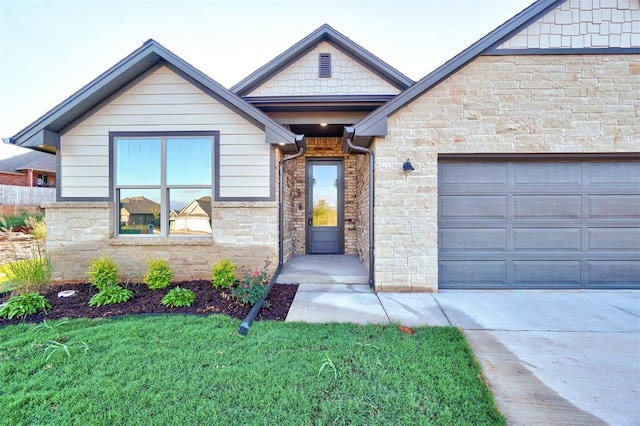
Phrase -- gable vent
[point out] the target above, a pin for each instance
(325, 65)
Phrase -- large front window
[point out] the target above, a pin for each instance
(163, 183)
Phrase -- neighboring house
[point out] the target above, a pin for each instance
(28, 168)
(194, 218)
(525, 150)
(137, 213)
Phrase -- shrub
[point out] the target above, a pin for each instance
(251, 288)
(37, 226)
(32, 267)
(103, 273)
(111, 295)
(9, 222)
(23, 305)
(177, 297)
(223, 274)
(158, 274)
(29, 275)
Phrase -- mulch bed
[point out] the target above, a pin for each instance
(209, 300)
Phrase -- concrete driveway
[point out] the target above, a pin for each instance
(550, 357)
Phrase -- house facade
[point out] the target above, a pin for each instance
(28, 168)
(524, 154)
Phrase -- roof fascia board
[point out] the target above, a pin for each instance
(369, 126)
(42, 138)
(324, 33)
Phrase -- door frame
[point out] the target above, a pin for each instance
(310, 161)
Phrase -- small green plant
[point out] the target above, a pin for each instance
(23, 305)
(45, 326)
(111, 295)
(54, 346)
(251, 288)
(177, 297)
(223, 274)
(329, 363)
(103, 273)
(58, 343)
(158, 274)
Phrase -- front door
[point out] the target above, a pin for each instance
(325, 206)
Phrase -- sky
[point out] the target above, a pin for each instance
(51, 48)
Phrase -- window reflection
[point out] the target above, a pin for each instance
(138, 161)
(188, 161)
(190, 212)
(325, 195)
(139, 211)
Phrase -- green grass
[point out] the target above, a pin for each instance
(188, 370)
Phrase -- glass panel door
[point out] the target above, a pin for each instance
(324, 207)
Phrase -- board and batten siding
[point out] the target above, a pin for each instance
(164, 101)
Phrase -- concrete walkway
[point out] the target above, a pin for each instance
(550, 357)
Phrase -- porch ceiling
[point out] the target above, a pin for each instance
(316, 130)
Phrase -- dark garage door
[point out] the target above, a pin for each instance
(539, 224)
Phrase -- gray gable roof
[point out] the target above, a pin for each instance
(375, 124)
(324, 33)
(45, 130)
(31, 160)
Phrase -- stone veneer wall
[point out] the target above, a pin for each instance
(499, 104)
(78, 232)
(324, 148)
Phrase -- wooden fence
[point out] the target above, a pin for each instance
(25, 195)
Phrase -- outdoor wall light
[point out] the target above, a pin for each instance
(324, 124)
(407, 167)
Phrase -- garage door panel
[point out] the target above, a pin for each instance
(547, 273)
(547, 206)
(566, 224)
(619, 175)
(474, 206)
(541, 174)
(475, 174)
(614, 273)
(546, 239)
(470, 272)
(614, 206)
(469, 239)
(613, 239)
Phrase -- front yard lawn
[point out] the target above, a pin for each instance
(191, 370)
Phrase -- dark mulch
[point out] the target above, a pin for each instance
(209, 300)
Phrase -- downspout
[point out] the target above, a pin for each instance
(351, 132)
(244, 327)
